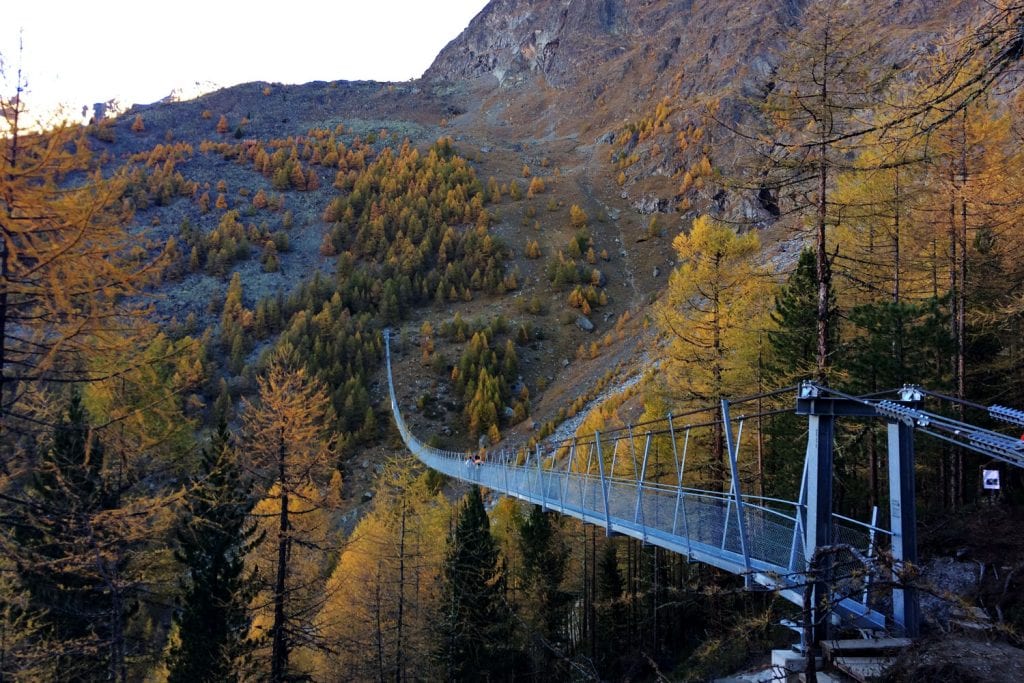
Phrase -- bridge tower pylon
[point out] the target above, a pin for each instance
(816, 495)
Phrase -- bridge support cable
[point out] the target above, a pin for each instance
(987, 442)
(797, 550)
(872, 549)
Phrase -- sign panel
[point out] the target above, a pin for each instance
(990, 480)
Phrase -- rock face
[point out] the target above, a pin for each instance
(569, 42)
(511, 38)
(580, 68)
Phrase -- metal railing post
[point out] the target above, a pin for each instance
(734, 466)
(541, 487)
(799, 521)
(568, 470)
(604, 484)
(585, 483)
(680, 500)
(632, 449)
(871, 552)
(615, 455)
(639, 511)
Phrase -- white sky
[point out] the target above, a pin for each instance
(81, 52)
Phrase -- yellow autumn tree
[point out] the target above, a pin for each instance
(69, 270)
(715, 306)
(382, 596)
(536, 187)
(291, 452)
(309, 527)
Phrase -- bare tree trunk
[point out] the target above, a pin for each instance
(379, 631)
(954, 303)
(823, 271)
(896, 239)
(872, 467)
(718, 455)
(5, 237)
(401, 597)
(279, 651)
(760, 417)
(961, 308)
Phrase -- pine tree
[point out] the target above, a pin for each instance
(214, 536)
(475, 628)
(792, 357)
(544, 563)
(611, 613)
(57, 545)
(795, 318)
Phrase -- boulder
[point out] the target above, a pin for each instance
(583, 322)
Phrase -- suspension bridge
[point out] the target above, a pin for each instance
(620, 480)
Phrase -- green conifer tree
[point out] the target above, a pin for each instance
(475, 625)
(544, 562)
(57, 541)
(611, 614)
(214, 536)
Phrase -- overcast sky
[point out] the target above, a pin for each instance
(79, 53)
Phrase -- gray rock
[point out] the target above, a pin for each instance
(648, 204)
(950, 587)
(583, 322)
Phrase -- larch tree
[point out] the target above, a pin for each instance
(712, 314)
(975, 216)
(290, 450)
(382, 596)
(68, 266)
(829, 78)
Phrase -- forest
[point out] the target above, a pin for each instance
(173, 492)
